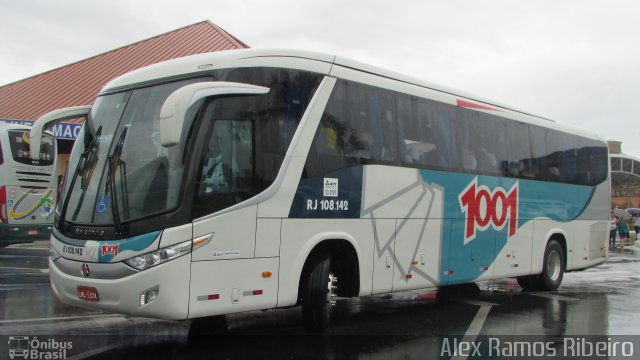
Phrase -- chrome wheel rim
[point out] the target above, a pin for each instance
(332, 285)
(554, 265)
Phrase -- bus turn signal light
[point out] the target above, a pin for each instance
(266, 274)
(201, 241)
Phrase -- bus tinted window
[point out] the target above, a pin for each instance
(356, 126)
(447, 153)
(415, 141)
(485, 143)
(538, 141)
(289, 94)
(520, 162)
(564, 154)
(248, 136)
(592, 162)
(95, 140)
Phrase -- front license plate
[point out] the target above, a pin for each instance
(88, 293)
(32, 232)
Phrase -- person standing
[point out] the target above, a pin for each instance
(636, 225)
(613, 231)
(623, 230)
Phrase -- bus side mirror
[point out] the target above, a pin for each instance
(53, 116)
(174, 109)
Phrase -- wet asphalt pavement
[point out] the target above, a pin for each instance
(596, 305)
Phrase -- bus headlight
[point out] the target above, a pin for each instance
(145, 261)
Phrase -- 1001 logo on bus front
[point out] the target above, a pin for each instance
(484, 208)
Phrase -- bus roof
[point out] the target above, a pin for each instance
(203, 63)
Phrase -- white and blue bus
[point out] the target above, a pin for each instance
(28, 188)
(255, 179)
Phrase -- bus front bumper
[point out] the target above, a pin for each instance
(125, 295)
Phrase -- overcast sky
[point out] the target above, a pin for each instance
(574, 61)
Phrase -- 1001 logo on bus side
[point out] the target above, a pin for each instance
(484, 208)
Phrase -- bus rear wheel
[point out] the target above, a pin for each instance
(553, 267)
(552, 270)
(319, 294)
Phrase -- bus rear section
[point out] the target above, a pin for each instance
(27, 188)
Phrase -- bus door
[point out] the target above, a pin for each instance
(226, 269)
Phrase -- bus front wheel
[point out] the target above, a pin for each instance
(319, 294)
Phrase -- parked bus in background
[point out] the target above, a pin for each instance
(27, 187)
(255, 179)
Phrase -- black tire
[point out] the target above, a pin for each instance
(316, 303)
(528, 282)
(202, 330)
(552, 267)
(552, 270)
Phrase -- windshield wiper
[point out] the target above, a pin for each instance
(111, 178)
(81, 166)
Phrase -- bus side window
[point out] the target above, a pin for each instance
(445, 135)
(596, 163)
(520, 157)
(417, 148)
(384, 126)
(328, 141)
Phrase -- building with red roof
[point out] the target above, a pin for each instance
(78, 83)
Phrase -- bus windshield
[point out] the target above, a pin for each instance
(120, 173)
(118, 148)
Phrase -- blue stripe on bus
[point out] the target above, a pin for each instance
(111, 247)
(536, 200)
(135, 244)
